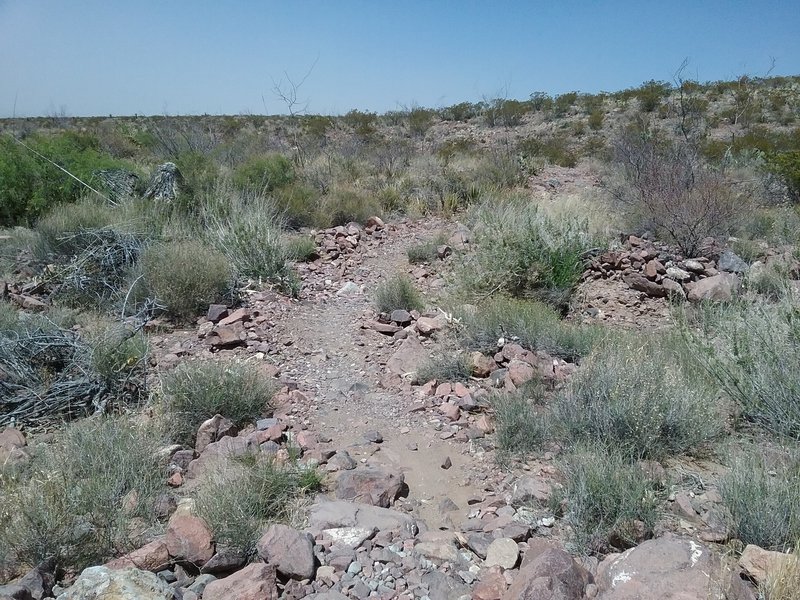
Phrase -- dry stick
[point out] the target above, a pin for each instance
(42, 156)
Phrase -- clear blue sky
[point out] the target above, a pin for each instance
(121, 57)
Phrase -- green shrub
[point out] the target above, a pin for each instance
(639, 400)
(746, 346)
(427, 251)
(264, 173)
(532, 324)
(521, 428)
(596, 118)
(301, 248)
(29, 185)
(763, 497)
(508, 113)
(564, 103)
(786, 166)
(298, 204)
(445, 365)
(651, 93)
(523, 252)
(397, 292)
(364, 124)
(186, 276)
(345, 205)
(196, 391)
(554, 149)
(420, 120)
(463, 111)
(81, 496)
(239, 500)
(611, 503)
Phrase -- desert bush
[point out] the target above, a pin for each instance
(667, 190)
(611, 503)
(534, 325)
(786, 167)
(640, 400)
(30, 185)
(419, 120)
(521, 251)
(239, 500)
(196, 391)
(364, 124)
(651, 93)
(508, 113)
(15, 244)
(265, 173)
(520, 426)
(186, 276)
(463, 111)
(554, 149)
(446, 364)
(298, 204)
(762, 493)
(563, 103)
(68, 229)
(397, 292)
(301, 248)
(746, 347)
(427, 251)
(596, 118)
(81, 495)
(344, 205)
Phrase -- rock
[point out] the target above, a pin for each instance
(15, 591)
(731, 263)
(529, 490)
(653, 268)
(12, 443)
(502, 552)
(152, 557)
(440, 546)
(666, 567)
(428, 325)
(327, 514)
(217, 452)
(719, 288)
(254, 582)
(189, 539)
(759, 564)
(102, 583)
(520, 372)
(407, 358)
(695, 266)
(674, 289)
(640, 283)
(384, 328)
(373, 436)
(550, 575)
(481, 366)
(216, 312)
(349, 537)
(224, 338)
(677, 274)
(491, 586)
(446, 463)
(213, 430)
(343, 461)
(224, 560)
(290, 551)
(402, 317)
(348, 289)
(35, 584)
(369, 485)
(374, 222)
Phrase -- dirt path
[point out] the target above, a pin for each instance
(340, 367)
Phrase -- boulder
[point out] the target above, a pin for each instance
(407, 358)
(482, 366)
(666, 567)
(549, 575)
(731, 263)
(759, 564)
(719, 287)
(369, 485)
(502, 552)
(290, 551)
(326, 514)
(189, 539)
(102, 583)
(150, 557)
(254, 582)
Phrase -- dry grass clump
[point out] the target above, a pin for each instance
(397, 292)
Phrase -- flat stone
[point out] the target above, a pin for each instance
(502, 552)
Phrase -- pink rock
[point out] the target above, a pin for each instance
(443, 390)
(482, 366)
(460, 390)
(520, 372)
(492, 585)
(254, 582)
(240, 314)
(213, 430)
(451, 411)
(189, 538)
(291, 551)
(150, 557)
(428, 325)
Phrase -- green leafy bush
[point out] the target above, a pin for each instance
(651, 93)
(364, 124)
(264, 173)
(554, 149)
(298, 205)
(186, 276)
(611, 503)
(397, 292)
(596, 118)
(81, 496)
(521, 427)
(640, 400)
(241, 498)
(762, 494)
(196, 391)
(786, 166)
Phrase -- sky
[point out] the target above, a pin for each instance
(181, 57)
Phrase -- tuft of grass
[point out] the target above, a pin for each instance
(523, 252)
(194, 392)
(239, 500)
(68, 229)
(427, 251)
(186, 276)
(534, 325)
(445, 366)
(611, 504)
(397, 292)
(783, 584)
(746, 347)
(521, 428)
(762, 494)
(639, 399)
(300, 248)
(344, 205)
(79, 498)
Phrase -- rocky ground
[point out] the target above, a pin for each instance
(416, 504)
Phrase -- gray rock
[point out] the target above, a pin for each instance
(326, 514)
(200, 583)
(730, 262)
(502, 552)
(101, 583)
(402, 317)
(678, 274)
(369, 485)
(717, 288)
